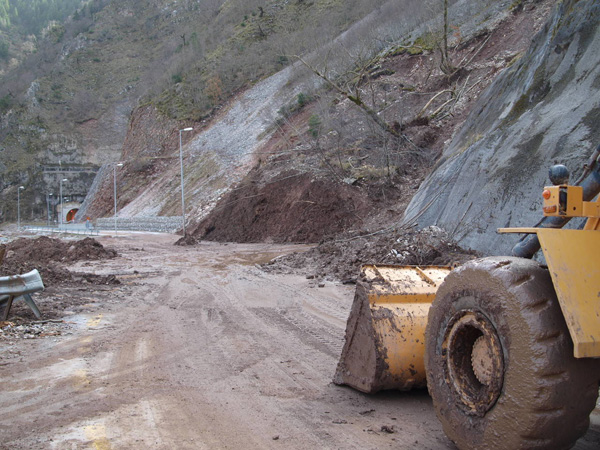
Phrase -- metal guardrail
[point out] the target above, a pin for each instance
(64, 229)
(17, 286)
(159, 224)
(50, 169)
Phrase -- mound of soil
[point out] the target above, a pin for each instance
(341, 258)
(45, 249)
(293, 208)
(48, 255)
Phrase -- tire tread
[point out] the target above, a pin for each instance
(563, 390)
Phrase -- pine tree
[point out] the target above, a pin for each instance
(4, 13)
(32, 16)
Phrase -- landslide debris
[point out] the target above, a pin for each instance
(341, 258)
(328, 170)
(66, 292)
(294, 207)
(49, 256)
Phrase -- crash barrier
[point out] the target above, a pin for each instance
(160, 224)
(66, 228)
(20, 286)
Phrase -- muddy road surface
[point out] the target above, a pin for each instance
(198, 348)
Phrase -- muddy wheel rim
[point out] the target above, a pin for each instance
(473, 360)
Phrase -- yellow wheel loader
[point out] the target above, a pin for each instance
(509, 349)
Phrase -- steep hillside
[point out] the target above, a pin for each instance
(238, 137)
(543, 110)
(341, 147)
(67, 103)
(24, 22)
(294, 121)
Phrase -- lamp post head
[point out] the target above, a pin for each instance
(187, 129)
(21, 187)
(64, 179)
(119, 165)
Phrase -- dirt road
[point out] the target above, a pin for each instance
(197, 348)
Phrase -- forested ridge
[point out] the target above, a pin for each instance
(67, 92)
(31, 16)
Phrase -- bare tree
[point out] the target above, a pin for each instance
(438, 7)
(353, 93)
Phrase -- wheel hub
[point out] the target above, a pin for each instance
(474, 364)
(482, 361)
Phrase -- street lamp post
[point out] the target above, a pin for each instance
(19, 207)
(61, 202)
(115, 190)
(181, 164)
(48, 195)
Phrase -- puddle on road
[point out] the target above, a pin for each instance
(108, 431)
(88, 321)
(75, 367)
(96, 434)
(222, 255)
(95, 321)
(70, 370)
(81, 379)
(85, 346)
(87, 435)
(250, 257)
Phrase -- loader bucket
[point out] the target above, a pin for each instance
(385, 332)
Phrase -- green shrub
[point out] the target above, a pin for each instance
(5, 103)
(303, 99)
(314, 125)
(4, 53)
(56, 33)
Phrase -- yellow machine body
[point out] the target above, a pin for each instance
(572, 259)
(385, 333)
(574, 205)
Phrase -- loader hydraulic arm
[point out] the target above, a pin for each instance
(563, 197)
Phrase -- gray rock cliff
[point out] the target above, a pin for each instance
(544, 109)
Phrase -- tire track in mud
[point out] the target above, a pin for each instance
(325, 305)
(305, 316)
(224, 354)
(140, 391)
(263, 360)
(75, 377)
(318, 320)
(305, 327)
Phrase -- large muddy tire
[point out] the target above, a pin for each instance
(499, 360)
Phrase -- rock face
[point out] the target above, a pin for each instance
(214, 157)
(543, 110)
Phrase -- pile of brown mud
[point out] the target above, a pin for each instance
(342, 257)
(294, 208)
(49, 255)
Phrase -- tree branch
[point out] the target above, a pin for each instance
(353, 98)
